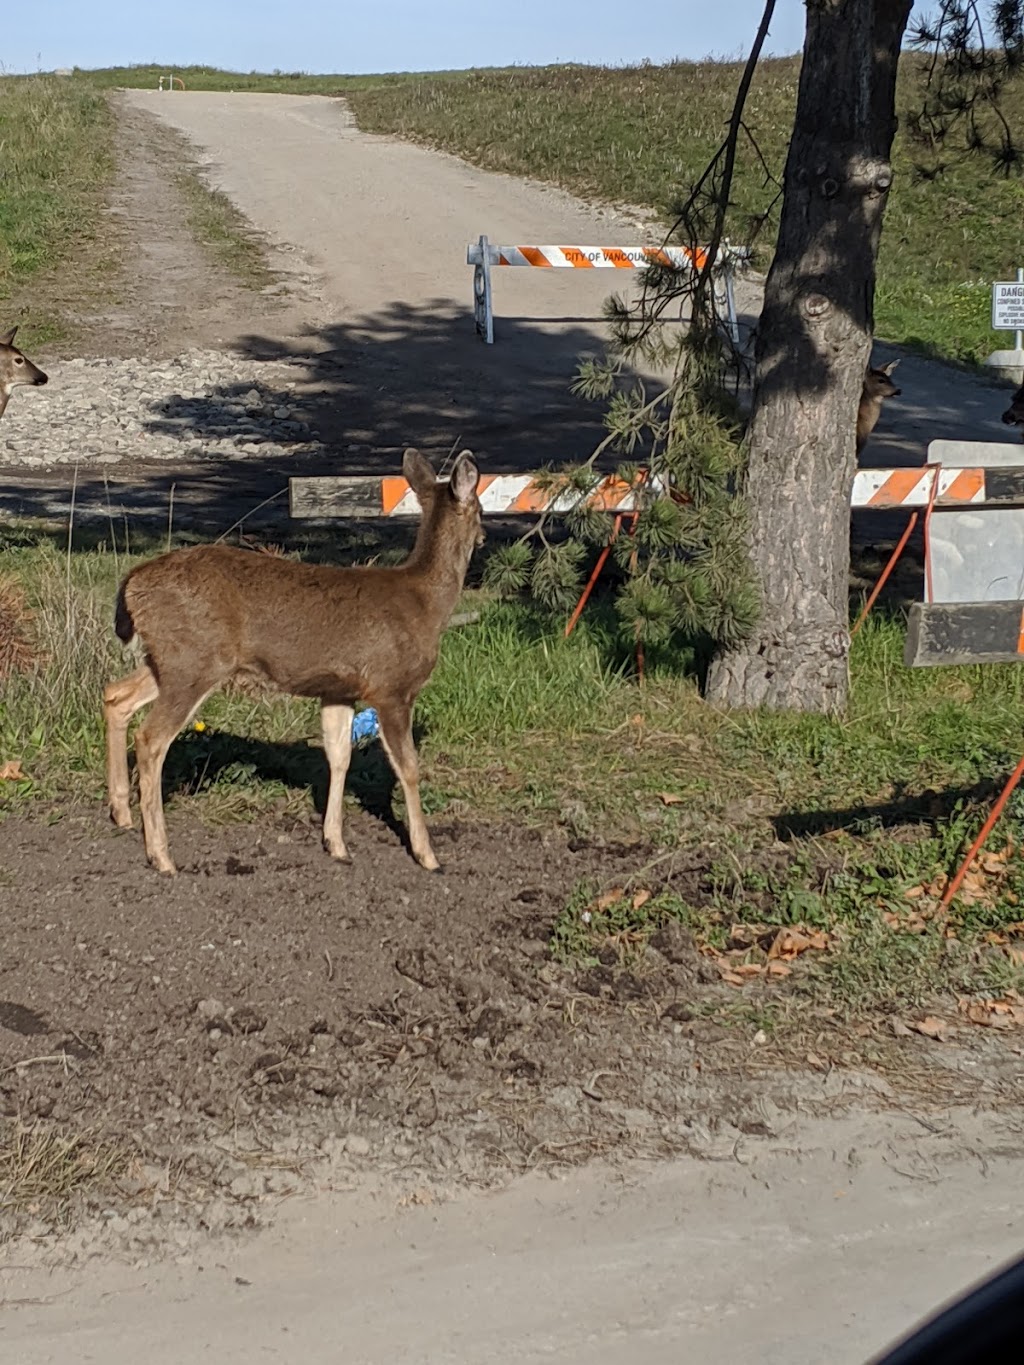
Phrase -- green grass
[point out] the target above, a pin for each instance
(56, 152)
(888, 950)
(225, 233)
(563, 719)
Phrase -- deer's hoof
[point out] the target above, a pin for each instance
(164, 866)
(121, 817)
(337, 851)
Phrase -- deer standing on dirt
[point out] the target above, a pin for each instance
(211, 615)
(15, 369)
(878, 386)
(1014, 414)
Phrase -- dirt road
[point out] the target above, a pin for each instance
(383, 227)
(773, 1258)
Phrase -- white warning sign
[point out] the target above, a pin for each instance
(1008, 306)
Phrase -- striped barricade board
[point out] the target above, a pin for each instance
(484, 257)
(975, 542)
(500, 495)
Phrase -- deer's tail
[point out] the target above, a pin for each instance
(124, 626)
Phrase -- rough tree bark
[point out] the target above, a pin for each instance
(813, 343)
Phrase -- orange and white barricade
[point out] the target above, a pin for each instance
(483, 256)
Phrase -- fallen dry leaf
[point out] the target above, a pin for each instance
(817, 1062)
(912, 893)
(1005, 1012)
(996, 862)
(911, 923)
(608, 898)
(641, 898)
(11, 771)
(732, 978)
(670, 799)
(931, 1027)
(744, 936)
(421, 1198)
(779, 969)
(790, 943)
(739, 973)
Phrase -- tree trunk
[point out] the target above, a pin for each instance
(813, 343)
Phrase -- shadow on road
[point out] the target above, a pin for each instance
(369, 387)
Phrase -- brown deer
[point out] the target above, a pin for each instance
(1014, 414)
(878, 386)
(211, 615)
(15, 369)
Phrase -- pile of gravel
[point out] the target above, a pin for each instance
(203, 404)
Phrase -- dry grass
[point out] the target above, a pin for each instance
(18, 650)
(43, 1171)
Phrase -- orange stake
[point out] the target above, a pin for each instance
(601, 561)
(902, 545)
(602, 557)
(986, 830)
(884, 575)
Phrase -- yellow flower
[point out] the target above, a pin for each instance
(200, 726)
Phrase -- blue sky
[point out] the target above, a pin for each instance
(379, 35)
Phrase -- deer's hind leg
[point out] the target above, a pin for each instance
(176, 702)
(121, 700)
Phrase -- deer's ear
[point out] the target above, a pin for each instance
(419, 472)
(888, 369)
(8, 337)
(465, 477)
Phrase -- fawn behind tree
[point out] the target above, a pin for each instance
(1014, 414)
(878, 386)
(15, 369)
(212, 615)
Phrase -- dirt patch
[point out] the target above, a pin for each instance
(268, 1011)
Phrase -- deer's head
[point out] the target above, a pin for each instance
(15, 368)
(452, 501)
(878, 382)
